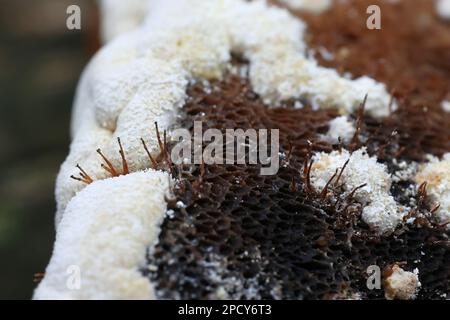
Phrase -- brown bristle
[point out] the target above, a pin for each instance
(109, 167)
(125, 169)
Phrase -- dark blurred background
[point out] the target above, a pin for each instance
(40, 63)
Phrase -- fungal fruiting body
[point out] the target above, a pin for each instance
(136, 226)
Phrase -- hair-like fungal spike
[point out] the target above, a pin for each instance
(355, 142)
(158, 137)
(352, 193)
(340, 172)
(109, 167)
(125, 169)
(84, 177)
(152, 160)
(324, 191)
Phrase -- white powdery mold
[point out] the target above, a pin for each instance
(380, 210)
(401, 284)
(315, 6)
(436, 173)
(340, 128)
(104, 234)
(443, 8)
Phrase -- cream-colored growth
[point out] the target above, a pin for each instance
(315, 6)
(401, 284)
(436, 173)
(105, 232)
(380, 210)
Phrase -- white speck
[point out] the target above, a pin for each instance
(298, 105)
(180, 204)
(326, 55)
(340, 127)
(170, 213)
(445, 105)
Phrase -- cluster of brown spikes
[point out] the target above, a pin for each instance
(422, 214)
(162, 161)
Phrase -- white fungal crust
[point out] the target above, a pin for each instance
(380, 210)
(104, 235)
(315, 6)
(401, 284)
(140, 78)
(436, 173)
(340, 128)
(443, 8)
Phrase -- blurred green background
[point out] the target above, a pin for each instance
(40, 63)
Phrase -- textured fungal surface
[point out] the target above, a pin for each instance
(236, 234)
(362, 129)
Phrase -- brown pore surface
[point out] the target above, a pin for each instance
(410, 54)
(243, 235)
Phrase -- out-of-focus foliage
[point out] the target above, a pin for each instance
(40, 63)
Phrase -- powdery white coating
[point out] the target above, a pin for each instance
(118, 16)
(280, 70)
(340, 127)
(445, 106)
(443, 8)
(401, 284)
(316, 6)
(380, 210)
(105, 232)
(436, 173)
